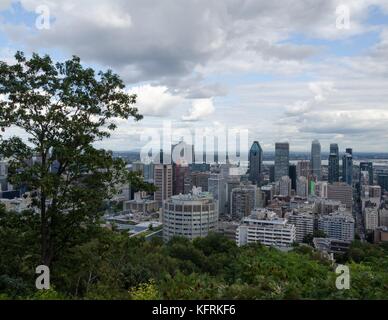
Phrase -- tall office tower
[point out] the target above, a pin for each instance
(347, 167)
(163, 182)
(149, 171)
(302, 187)
(334, 163)
(303, 168)
(181, 174)
(243, 200)
(255, 163)
(271, 173)
(382, 181)
(200, 180)
(190, 216)
(282, 160)
(217, 187)
(316, 159)
(285, 186)
(292, 175)
(366, 170)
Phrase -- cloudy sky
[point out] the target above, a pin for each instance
(286, 70)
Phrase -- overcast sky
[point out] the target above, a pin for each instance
(281, 69)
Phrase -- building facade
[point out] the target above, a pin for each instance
(190, 216)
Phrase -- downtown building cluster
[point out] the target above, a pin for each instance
(275, 203)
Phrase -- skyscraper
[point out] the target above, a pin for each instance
(282, 160)
(292, 175)
(181, 177)
(303, 168)
(316, 159)
(347, 167)
(334, 163)
(255, 163)
(163, 182)
(367, 167)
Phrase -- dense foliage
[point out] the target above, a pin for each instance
(62, 109)
(110, 265)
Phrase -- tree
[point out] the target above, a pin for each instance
(63, 108)
(310, 237)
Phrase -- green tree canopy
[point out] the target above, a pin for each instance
(63, 108)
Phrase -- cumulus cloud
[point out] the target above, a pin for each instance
(5, 4)
(200, 109)
(155, 100)
(272, 65)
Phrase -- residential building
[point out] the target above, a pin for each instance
(337, 225)
(265, 227)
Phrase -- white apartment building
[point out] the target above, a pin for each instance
(303, 222)
(265, 227)
(337, 225)
(371, 218)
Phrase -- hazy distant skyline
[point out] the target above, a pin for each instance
(281, 69)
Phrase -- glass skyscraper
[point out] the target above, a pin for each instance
(282, 160)
(316, 159)
(334, 167)
(255, 163)
(347, 167)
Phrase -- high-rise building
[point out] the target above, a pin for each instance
(265, 227)
(292, 175)
(334, 168)
(282, 160)
(285, 186)
(366, 170)
(321, 189)
(304, 224)
(302, 187)
(340, 192)
(218, 188)
(163, 182)
(382, 181)
(255, 163)
(149, 171)
(303, 168)
(316, 159)
(243, 200)
(200, 180)
(338, 225)
(371, 218)
(383, 216)
(347, 167)
(181, 174)
(190, 216)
